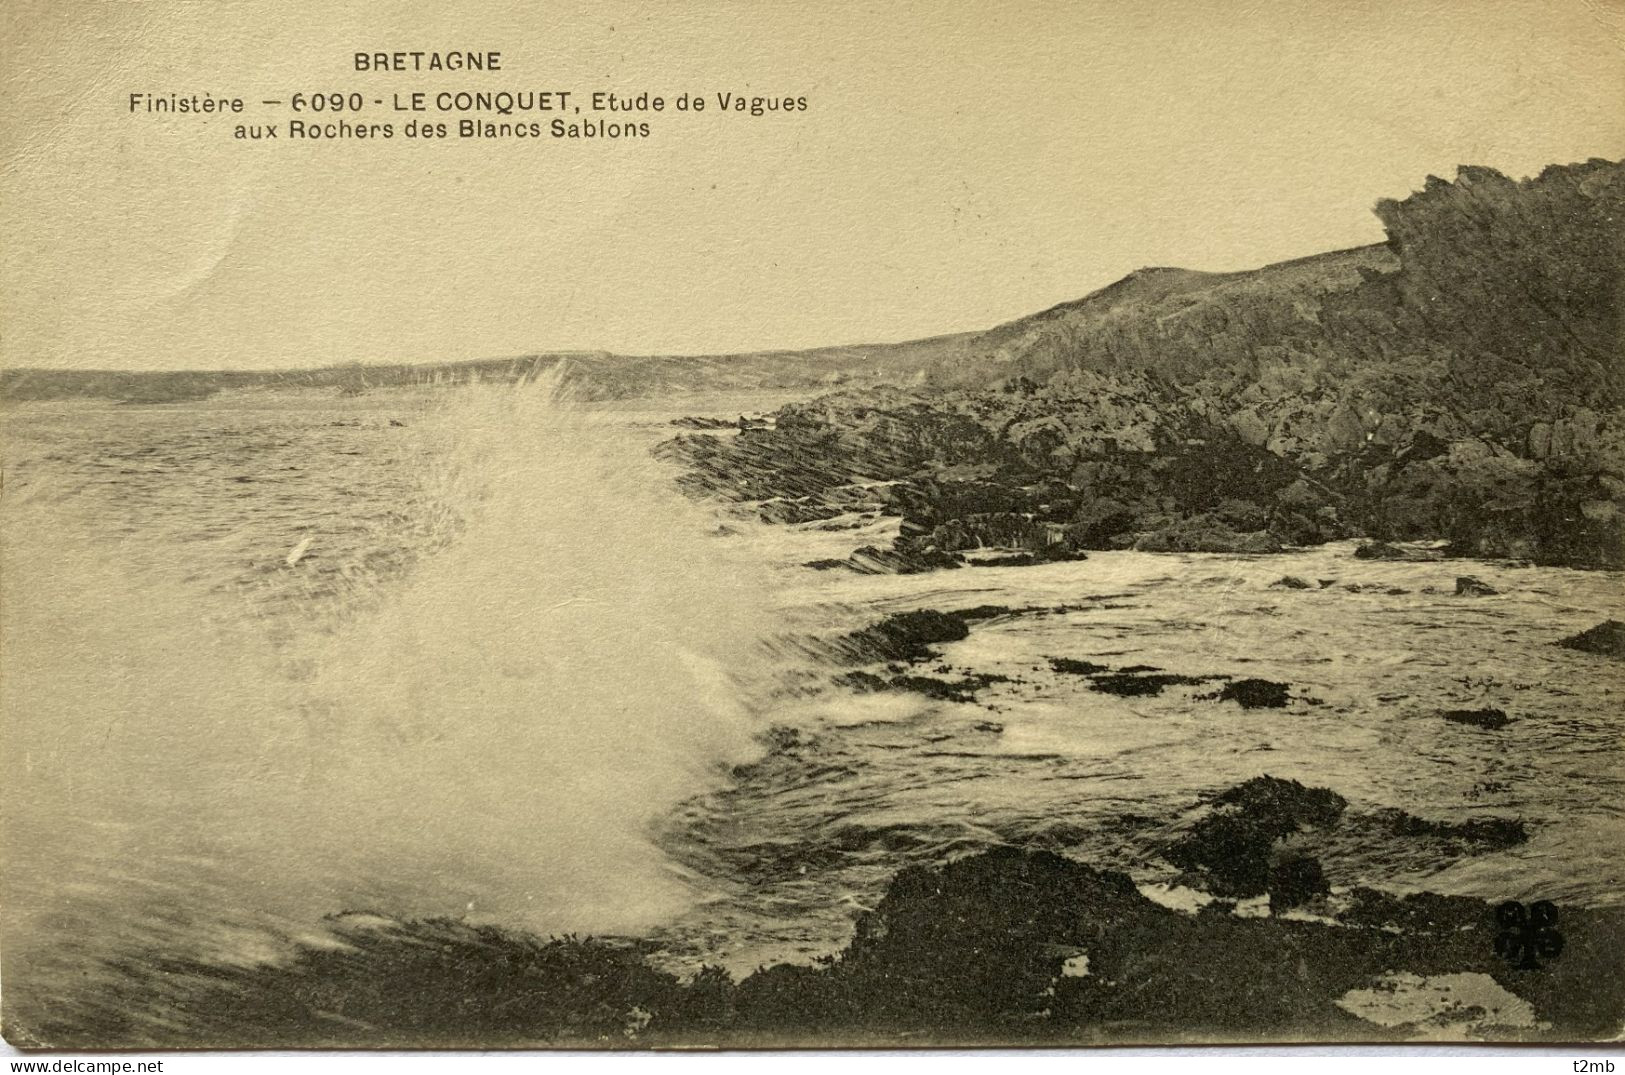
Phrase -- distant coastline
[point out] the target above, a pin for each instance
(1462, 381)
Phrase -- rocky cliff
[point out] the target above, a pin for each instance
(1462, 381)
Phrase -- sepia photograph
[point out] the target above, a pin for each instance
(811, 525)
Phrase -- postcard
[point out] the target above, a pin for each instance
(827, 524)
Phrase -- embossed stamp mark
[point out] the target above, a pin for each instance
(1528, 934)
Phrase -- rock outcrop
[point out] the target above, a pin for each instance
(1462, 382)
(1607, 639)
(1008, 945)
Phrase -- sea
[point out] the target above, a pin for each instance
(468, 652)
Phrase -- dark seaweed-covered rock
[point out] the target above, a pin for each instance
(695, 422)
(1416, 910)
(873, 560)
(998, 536)
(948, 690)
(1289, 582)
(1287, 805)
(785, 995)
(905, 636)
(984, 612)
(1140, 685)
(800, 510)
(1006, 558)
(1070, 667)
(1469, 586)
(1232, 847)
(1231, 854)
(1606, 639)
(987, 933)
(1295, 882)
(989, 948)
(1206, 534)
(1489, 718)
(1216, 976)
(1381, 550)
(432, 983)
(1254, 693)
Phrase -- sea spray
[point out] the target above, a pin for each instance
(491, 736)
(562, 673)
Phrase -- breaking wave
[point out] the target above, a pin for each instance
(491, 737)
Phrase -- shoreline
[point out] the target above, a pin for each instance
(1005, 946)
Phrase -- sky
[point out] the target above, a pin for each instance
(959, 164)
